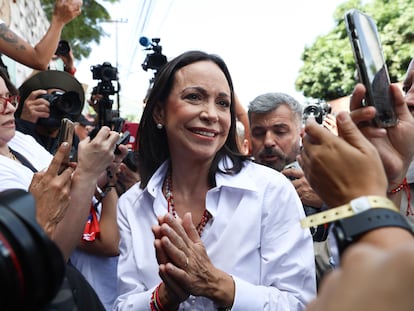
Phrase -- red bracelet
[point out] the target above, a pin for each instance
(72, 71)
(404, 186)
(155, 303)
(399, 187)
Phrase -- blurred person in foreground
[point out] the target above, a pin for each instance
(376, 271)
(206, 227)
(39, 56)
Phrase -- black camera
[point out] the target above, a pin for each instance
(106, 116)
(319, 110)
(31, 265)
(62, 105)
(156, 59)
(131, 161)
(63, 48)
(104, 72)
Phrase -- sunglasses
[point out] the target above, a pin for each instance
(4, 101)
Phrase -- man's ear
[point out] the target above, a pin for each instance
(158, 115)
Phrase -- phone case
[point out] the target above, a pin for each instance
(66, 132)
(372, 69)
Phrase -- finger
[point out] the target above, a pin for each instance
(160, 254)
(174, 248)
(293, 172)
(171, 285)
(363, 114)
(350, 133)
(190, 229)
(357, 97)
(159, 251)
(123, 153)
(105, 133)
(314, 133)
(66, 175)
(63, 150)
(401, 107)
(35, 94)
(178, 235)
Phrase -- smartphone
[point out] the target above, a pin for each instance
(66, 132)
(294, 164)
(123, 140)
(372, 69)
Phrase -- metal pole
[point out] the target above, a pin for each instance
(116, 21)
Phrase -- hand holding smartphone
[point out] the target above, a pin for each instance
(66, 132)
(123, 140)
(372, 69)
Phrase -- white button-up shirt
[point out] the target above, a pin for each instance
(254, 235)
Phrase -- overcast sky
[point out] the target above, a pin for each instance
(261, 41)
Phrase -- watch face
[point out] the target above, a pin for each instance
(334, 258)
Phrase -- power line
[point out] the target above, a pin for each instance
(141, 24)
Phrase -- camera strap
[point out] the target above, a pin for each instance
(23, 160)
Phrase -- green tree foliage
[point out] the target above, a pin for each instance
(328, 70)
(85, 28)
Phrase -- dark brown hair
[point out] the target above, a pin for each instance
(10, 86)
(153, 143)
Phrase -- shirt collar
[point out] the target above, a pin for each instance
(222, 180)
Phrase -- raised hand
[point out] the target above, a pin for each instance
(95, 155)
(341, 168)
(394, 143)
(52, 192)
(67, 10)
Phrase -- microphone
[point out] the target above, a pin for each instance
(144, 41)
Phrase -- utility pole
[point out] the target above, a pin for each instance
(116, 22)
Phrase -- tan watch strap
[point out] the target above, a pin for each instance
(354, 207)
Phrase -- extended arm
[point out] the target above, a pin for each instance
(39, 56)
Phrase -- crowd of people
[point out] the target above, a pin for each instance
(212, 217)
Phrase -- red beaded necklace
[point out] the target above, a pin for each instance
(168, 190)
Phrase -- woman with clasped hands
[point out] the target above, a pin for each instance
(227, 231)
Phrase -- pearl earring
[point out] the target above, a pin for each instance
(159, 126)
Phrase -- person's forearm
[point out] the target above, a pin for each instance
(107, 243)
(222, 290)
(46, 47)
(69, 231)
(387, 237)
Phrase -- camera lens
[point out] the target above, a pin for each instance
(63, 48)
(109, 74)
(31, 266)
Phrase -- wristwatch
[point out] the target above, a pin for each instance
(352, 208)
(349, 230)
